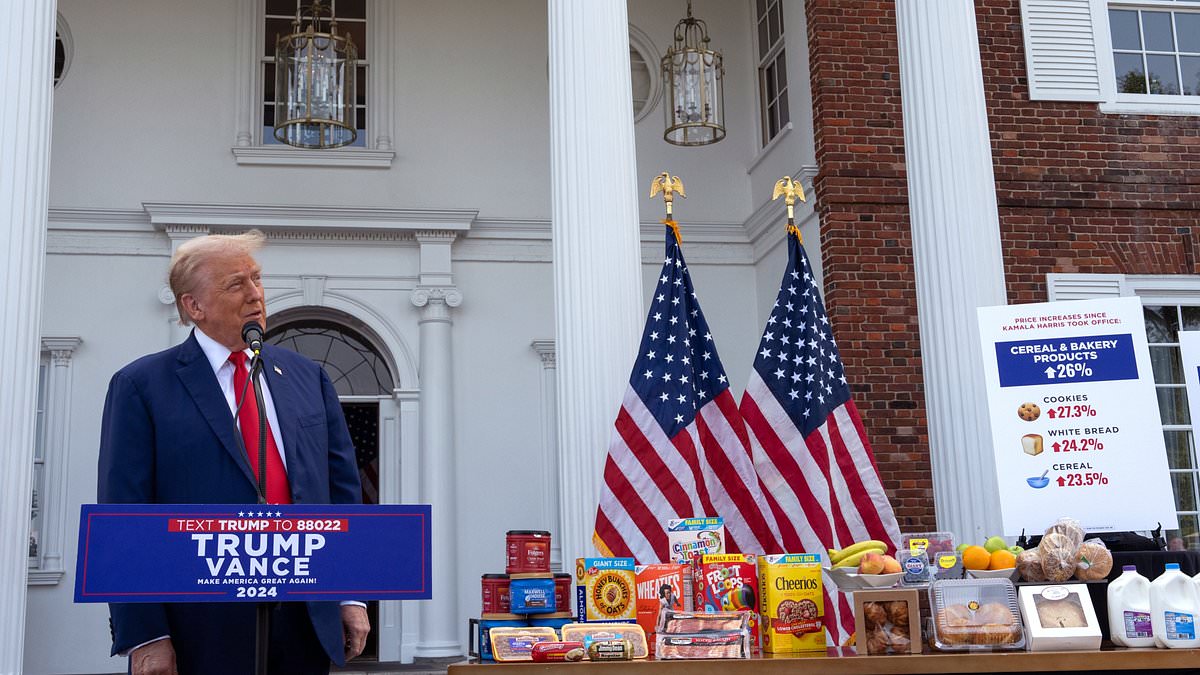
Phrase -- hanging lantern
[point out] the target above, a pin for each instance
(314, 82)
(694, 101)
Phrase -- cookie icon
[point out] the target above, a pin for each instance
(1029, 411)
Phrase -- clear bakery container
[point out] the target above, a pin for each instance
(975, 615)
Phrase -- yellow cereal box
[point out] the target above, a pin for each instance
(792, 603)
(604, 589)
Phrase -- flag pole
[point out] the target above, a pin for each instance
(790, 190)
(668, 185)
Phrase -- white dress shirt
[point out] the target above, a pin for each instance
(218, 357)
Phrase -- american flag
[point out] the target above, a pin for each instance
(810, 449)
(679, 448)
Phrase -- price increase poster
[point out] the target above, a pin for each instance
(1074, 416)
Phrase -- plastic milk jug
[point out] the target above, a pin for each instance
(1129, 609)
(1174, 607)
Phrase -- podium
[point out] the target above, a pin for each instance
(137, 553)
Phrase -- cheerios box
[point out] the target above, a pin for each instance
(791, 602)
(661, 587)
(604, 590)
(728, 582)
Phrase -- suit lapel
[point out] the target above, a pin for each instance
(287, 402)
(201, 383)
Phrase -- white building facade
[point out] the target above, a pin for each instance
(484, 180)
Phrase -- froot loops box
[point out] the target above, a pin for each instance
(605, 589)
(727, 582)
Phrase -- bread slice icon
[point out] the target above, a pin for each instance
(1031, 444)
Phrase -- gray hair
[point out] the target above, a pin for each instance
(184, 273)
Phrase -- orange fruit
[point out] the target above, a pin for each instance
(1002, 560)
(976, 558)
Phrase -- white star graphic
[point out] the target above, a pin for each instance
(780, 373)
(649, 375)
(794, 394)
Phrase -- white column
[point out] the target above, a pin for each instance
(26, 109)
(597, 257)
(440, 627)
(956, 249)
(549, 419)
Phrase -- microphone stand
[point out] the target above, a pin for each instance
(262, 632)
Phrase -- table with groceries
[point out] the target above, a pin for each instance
(925, 603)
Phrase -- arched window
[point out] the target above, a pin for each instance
(353, 364)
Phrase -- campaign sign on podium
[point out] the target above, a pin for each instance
(235, 553)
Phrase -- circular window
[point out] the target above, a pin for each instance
(63, 49)
(643, 73)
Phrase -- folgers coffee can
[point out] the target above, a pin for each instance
(563, 583)
(495, 593)
(528, 551)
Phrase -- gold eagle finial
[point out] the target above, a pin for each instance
(790, 190)
(668, 185)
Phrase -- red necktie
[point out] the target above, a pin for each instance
(278, 491)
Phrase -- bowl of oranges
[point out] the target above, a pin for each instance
(980, 563)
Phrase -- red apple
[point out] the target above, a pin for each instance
(890, 565)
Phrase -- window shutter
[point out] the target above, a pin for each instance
(1061, 56)
(1084, 286)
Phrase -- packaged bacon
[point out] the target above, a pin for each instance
(699, 622)
(715, 644)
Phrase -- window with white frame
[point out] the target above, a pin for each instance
(1130, 56)
(48, 497)
(371, 23)
(772, 68)
(1163, 323)
(1156, 51)
(37, 495)
(1169, 304)
(277, 20)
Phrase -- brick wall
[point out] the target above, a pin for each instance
(1078, 191)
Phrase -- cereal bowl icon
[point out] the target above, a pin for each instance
(1029, 411)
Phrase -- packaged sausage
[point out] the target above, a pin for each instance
(610, 650)
(516, 644)
(589, 633)
(555, 652)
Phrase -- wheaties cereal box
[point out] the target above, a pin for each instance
(604, 589)
(661, 587)
(690, 537)
(728, 582)
(792, 603)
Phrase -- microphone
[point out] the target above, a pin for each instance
(252, 334)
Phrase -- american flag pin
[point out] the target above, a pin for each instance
(277, 370)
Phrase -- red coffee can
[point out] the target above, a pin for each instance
(495, 594)
(563, 583)
(528, 551)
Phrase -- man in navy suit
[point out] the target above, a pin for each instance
(169, 436)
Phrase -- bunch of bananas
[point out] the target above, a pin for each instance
(851, 555)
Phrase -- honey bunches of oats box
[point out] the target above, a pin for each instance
(792, 603)
(604, 590)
